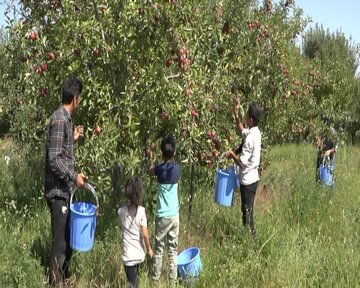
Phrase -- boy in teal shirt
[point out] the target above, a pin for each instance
(167, 211)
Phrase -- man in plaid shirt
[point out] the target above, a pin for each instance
(60, 177)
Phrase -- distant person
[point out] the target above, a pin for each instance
(249, 160)
(133, 224)
(167, 211)
(326, 150)
(60, 177)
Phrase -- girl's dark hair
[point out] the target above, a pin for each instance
(133, 191)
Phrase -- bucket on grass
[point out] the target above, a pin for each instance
(83, 222)
(226, 181)
(189, 263)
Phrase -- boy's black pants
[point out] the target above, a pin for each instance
(247, 205)
(60, 249)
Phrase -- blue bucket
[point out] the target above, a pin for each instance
(189, 263)
(226, 181)
(326, 175)
(82, 223)
(326, 171)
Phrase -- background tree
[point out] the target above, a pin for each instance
(337, 58)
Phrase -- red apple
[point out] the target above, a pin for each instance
(182, 59)
(43, 67)
(43, 92)
(226, 28)
(24, 59)
(165, 115)
(97, 130)
(169, 62)
(96, 52)
(216, 143)
(152, 146)
(141, 11)
(77, 51)
(212, 134)
(52, 56)
(33, 35)
(194, 113)
(157, 17)
(186, 91)
(182, 52)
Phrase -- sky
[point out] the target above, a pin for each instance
(333, 14)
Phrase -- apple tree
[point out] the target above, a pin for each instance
(152, 68)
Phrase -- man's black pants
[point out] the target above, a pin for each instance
(60, 250)
(247, 205)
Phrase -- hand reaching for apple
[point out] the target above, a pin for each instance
(236, 107)
(78, 132)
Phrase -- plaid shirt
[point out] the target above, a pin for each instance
(59, 159)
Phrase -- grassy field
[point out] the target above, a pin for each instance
(308, 236)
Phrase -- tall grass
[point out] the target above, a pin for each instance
(308, 235)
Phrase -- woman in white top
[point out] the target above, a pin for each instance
(134, 229)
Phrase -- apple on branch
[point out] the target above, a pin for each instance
(97, 129)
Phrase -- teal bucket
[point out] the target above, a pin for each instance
(226, 182)
(83, 223)
(189, 263)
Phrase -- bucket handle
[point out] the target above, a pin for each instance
(87, 186)
(221, 159)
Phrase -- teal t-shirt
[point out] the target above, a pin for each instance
(168, 174)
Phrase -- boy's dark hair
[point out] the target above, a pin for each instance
(254, 113)
(134, 191)
(71, 87)
(168, 147)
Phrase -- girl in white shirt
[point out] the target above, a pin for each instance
(134, 230)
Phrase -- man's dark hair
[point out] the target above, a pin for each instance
(168, 147)
(254, 113)
(71, 87)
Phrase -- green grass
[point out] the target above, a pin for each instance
(308, 236)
